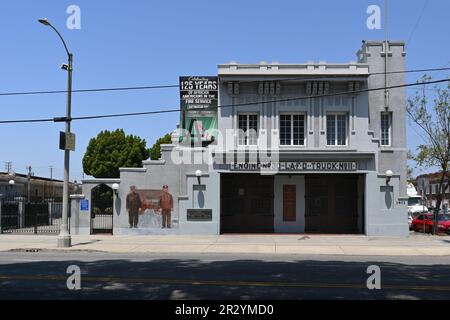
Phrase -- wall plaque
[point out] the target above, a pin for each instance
(199, 214)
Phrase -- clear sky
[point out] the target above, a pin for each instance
(138, 43)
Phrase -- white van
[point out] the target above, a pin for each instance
(416, 203)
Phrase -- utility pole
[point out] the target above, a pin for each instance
(8, 166)
(64, 239)
(51, 181)
(29, 183)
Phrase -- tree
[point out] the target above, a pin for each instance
(409, 169)
(110, 151)
(434, 122)
(155, 150)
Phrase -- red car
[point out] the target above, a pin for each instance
(443, 223)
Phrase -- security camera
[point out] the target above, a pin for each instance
(65, 66)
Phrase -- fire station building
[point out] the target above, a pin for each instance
(299, 148)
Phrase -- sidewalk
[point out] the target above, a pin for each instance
(414, 245)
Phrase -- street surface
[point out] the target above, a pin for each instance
(42, 275)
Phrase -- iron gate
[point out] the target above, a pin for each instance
(21, 217)
(102, 210)
(9, 220)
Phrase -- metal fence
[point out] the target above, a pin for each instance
(17, 216)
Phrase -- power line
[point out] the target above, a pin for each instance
(89, 90)
(177, 86)
(417, 22)
(63, 119)
(27, 120)
(370, 74)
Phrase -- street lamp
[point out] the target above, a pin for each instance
(115, 188)
(388, 174)
(198, 174)
(11, 181)
(64, 239)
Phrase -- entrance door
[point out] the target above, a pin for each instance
(331, 204)
(246, 203)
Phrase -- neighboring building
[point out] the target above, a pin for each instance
(41, 188)
(428, 185)
(332, 164)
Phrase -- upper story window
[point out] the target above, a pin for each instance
(248, 129)
(337, 129)
(292, 129)
(386, 125)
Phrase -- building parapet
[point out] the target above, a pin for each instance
(102, 180)
(153, 162)
(280, 69)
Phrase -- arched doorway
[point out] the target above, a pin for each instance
(102, 209)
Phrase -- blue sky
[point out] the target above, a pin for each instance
(136, 43)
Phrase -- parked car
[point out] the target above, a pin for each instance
(425, 221)
(414, 215)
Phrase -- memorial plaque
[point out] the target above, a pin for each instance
(199, 214)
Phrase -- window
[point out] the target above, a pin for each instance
(436, 189)
(386, 124)
(248, 129)
(336, 129)
(292, 129)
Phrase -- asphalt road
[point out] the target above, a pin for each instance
(42, 275)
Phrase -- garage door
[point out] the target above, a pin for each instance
(331, 204)
(246, 203)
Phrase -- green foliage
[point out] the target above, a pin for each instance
(434, 122)
(110, 151)
(155, 150)
(433, 119)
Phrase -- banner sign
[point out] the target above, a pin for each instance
(198, 102)
(199, 92)
(295, 166)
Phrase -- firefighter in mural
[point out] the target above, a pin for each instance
(166, 207)
(133, 207)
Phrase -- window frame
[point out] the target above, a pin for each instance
(335, 114)
(292, 114)
(247, 114)
(389, 114)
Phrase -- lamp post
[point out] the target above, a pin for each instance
(64, 239)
